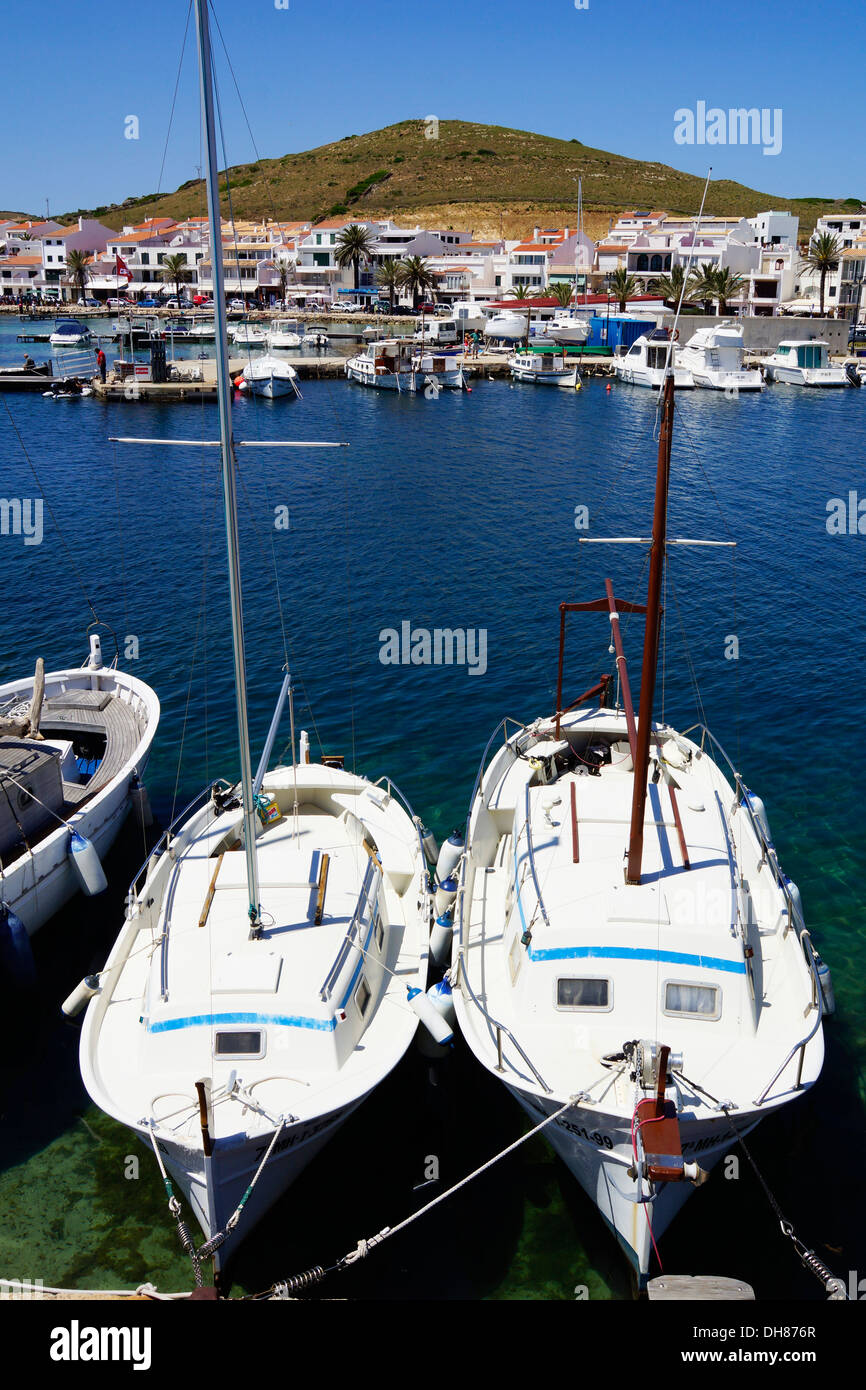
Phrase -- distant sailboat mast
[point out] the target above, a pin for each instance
(227, 453)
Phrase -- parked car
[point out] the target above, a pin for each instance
(426, 308)
(201, 301)
(857, 333)
(89, 303)
(238, 305)
(150, 303)
(119, 303)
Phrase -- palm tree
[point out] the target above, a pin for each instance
(670, 286)
(78, 269)
(727, 287)
(388, 276)
(821, 256)
(416, 275)
(561, 292)
(702, 286)
(175, 270)
(623, 286)
(285, 274)
(354, 245)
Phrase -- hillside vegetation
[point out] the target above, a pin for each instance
(482, 175)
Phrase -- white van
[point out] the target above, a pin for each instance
(439, 332)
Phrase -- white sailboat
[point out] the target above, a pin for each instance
(271, 968)
(628, 951)
(571, 329)
(74, 746)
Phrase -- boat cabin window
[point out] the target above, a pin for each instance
(237, 1045)
(782, 350)
(380, 933)
(583, 994)
(363, 996)
(692, 1001)
(656, 358)
(811, 355)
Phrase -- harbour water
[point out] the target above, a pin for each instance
(455, 512)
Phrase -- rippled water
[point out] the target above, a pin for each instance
(455, 512)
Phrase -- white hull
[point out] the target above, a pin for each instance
(569, 335)
(568, 377)
(725, 381)
(363, 371)
(807, 376)
(270, 387)
(651, 376)
(38, 884)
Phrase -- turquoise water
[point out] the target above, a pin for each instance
(457, 512)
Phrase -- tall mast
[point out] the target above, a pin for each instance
(651, 632)
(227, 453)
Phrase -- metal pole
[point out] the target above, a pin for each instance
(224, 389)
(651, 634)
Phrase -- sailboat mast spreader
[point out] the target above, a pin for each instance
(227, 451)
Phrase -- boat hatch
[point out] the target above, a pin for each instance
(237, 1045)
(239, 972)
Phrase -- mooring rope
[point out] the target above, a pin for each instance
(834, 1286)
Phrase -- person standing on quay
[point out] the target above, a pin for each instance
(101, 364)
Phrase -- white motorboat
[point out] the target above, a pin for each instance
(803, 363)
(202, 330)
(283, 333)
(271, 968)
(315, 338)
(249, 335)
(268, 376)
(543, 368)
(644, 363)
(70, 333)
(506, 326)
(71, 763)
(714, 356)
(649, 1015)
(568, 330)
(397, 364)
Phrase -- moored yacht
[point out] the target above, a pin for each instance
(803, 363)
(630, 960)
(569, 330)
(644, 363)
(714, 356)
(283, 333)
(268, 376)
(70, 333)
(249, 335)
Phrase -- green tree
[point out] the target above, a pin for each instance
(354, 245)
(670, 286)
(78, 269)
(415, 276)
(728, 286)
(561, 292)
(623, 286)
(822, 255)
(174, 271)
(388, 277)
(702, 286)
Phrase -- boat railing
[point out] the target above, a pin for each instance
(794, 915)
(499, 1028)
(531, 854)
(367, 892)
(165, 838)
(393, 790)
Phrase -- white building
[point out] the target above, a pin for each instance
(88, 235)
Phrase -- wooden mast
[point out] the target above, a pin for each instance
(652, 630)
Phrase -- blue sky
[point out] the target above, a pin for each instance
(612, 75)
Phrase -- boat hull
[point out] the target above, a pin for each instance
(596, 1149)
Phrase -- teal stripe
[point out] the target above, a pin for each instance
(732, 967)
(171, 1025)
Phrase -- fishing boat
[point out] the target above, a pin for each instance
(283, 333)
(74, 746)
(268, 376)
(271, 968)
(714, 356)
(629, 958)
(803, 363)
(645, 363)
(396, 364)
(248, 335)
(543, 368)
(70, 333)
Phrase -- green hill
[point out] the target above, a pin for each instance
(399, 170)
